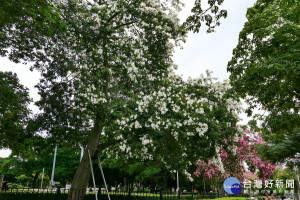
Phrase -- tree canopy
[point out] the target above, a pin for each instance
(174, 126)
(14, 111)
(265, 66)
(107, 76)
(111, 51)
(27, 170)
(25, 27)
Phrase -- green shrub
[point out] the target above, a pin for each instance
(53, 196)
(31, 196)
(27, 195)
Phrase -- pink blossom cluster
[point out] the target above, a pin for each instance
(211, 170)
(244, 163)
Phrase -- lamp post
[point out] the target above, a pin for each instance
(42, 178)
(53, 167)
(177, 183)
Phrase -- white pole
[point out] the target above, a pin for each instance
(53, 167)
(177, 183)
(93, 175)
(42, 178)
(103, 178)
(81, 154)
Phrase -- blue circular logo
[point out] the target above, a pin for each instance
(232, 186)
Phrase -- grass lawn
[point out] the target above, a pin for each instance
(232, 198)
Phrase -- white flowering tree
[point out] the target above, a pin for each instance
(176, 124)
(107, 52)
(111, 52)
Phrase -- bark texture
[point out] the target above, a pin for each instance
(1, 181)
(296, 187)
(83, 173)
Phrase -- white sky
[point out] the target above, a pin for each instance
(201, 51)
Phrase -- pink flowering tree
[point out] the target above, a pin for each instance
(241, 160)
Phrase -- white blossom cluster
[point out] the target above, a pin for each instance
(218, 161)
(132, 72)
(173, 100)
(188, 175)
(124, 147)
(145, 141)
(171, 109)
(129, 36)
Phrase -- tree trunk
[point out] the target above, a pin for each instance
(165, 178)
(152, 185)
(204, 187)
(130, 188)
(296, 187)
(1, 181)
(83, 172)
(125, 184)
(221, 192)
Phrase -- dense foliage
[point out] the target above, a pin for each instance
(108, 84)
(14, 111)
(265, 69)
(26, 171)
(169, 129)
(265, 65)
(25, 27)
